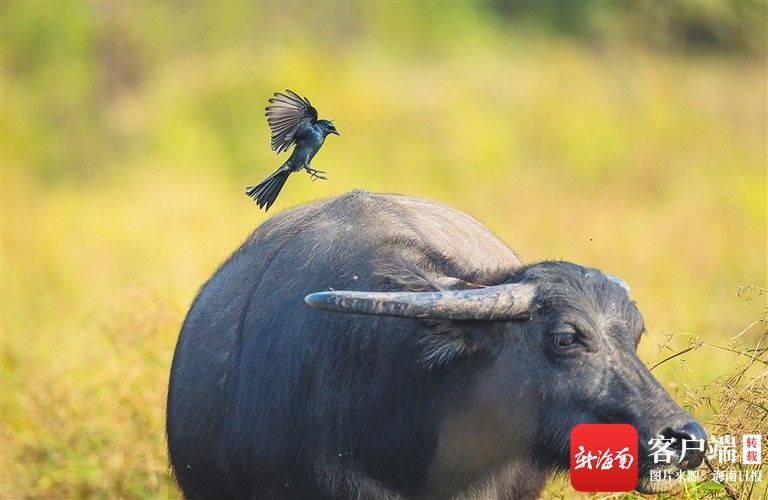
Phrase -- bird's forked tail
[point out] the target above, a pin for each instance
(266, 192)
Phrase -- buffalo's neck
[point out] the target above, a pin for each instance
(486, 442)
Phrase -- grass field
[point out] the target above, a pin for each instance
(130, 131)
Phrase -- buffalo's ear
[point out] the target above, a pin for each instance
(444, 342)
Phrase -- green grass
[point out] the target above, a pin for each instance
(129, 132)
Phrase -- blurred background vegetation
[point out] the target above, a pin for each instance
(630, 136)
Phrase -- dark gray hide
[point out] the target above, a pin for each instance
(271, 398)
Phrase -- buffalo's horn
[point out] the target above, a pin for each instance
(500, 302)
(623, 284)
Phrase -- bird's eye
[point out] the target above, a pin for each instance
(565, 339)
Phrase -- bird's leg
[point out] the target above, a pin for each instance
(316, 174)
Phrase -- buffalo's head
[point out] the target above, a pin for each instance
(562, 342)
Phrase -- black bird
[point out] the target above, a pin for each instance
(293, 120)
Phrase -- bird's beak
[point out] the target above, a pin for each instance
(334, 131)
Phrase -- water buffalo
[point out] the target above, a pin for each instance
(432, 363)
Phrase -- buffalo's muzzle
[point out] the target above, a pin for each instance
(689, 444)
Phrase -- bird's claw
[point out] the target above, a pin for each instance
(317, 174)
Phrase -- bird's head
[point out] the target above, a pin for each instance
(327, 127)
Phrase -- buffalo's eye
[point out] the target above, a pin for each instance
(566, 339)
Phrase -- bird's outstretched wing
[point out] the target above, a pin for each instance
(286, 114)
